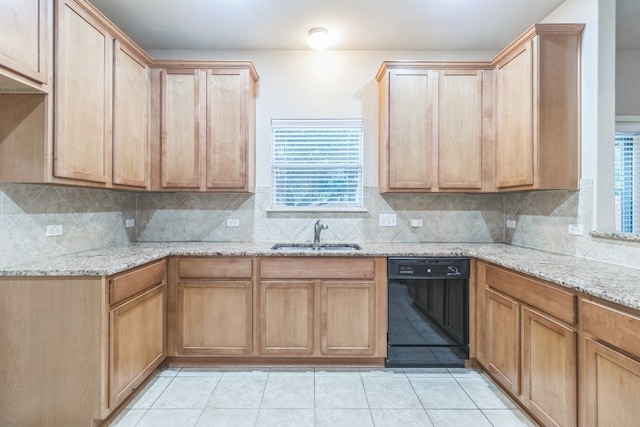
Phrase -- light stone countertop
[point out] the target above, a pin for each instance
(607, 281)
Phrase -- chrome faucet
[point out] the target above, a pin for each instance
(317, 229)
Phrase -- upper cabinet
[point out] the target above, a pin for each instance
(432, 120)
(24, 44)
(131, 83)
(509, 124)
(538, 110)
(83, 87)
(99, 114)
(102, 102)
(117, 119)
(206, 123)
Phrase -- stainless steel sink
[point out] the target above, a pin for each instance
(297, 247)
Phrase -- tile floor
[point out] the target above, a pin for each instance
(320, 397)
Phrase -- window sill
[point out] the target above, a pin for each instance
(622, 237)
(317, 210)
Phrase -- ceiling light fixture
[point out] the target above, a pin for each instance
(318, 38)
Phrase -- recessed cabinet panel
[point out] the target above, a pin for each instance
(130, 119)
(137, 343)
(460, 129)
(286, 317)
(549, 369)
(180, 129)
(503, 334)
(82, 146)
(612, 387)
(215, 317)
(348, 316)
(514, 142)
(410, 130)
(226, 129)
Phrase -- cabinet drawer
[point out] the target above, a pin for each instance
(317, 268)
(611, 325)
(558, 303)
(219, 268)
(131, 283)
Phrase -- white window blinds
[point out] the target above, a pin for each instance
(316, 164)
(627, 182)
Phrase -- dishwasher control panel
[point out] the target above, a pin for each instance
(428, 268)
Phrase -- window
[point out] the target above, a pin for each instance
(316, 164)
(627, 182)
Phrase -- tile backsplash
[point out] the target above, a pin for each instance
(95, 218)
(90, 219)
(203, 217)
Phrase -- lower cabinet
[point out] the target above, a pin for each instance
(136, 346)
(211, 306)
(286, 321)
(610, 365)
(549, 362)
(137, 328)
(529, 333)
(322, 307)
(347, 318)
(75, 348)
(503, 333)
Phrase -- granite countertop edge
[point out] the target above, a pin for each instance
(603, 280)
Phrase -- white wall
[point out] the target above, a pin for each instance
(308, 84)
(598, 104)
(628, 82)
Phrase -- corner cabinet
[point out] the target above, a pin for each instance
(538, 88)
(75, 348)
(527, 341)
(610, 365)
(101, 104)
(433, 124)
(205, 115)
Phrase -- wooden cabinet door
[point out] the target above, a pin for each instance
(137, 343)
(460, 129)
(347, 318)
(227, 133)
(503, 335)
(549, 369)
(515, 131)
(84, 52)
(410, 133)
(23, 45)
(180, 129)
(130, 118)
(215, 317)
(286, 320)
(611, 387)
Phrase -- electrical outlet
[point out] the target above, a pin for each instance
(576, 229)
(129, 222)
(53, 230)
(388, 220)
(511, 223)
(415, 223)
(233, 222)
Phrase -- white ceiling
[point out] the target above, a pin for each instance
(352, 24)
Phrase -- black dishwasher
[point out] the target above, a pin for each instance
(428, 312)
